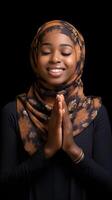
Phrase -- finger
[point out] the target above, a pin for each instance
(64, 106)
(56, 105)
(66, 118)
(60, 111)
(56, 114)
(59, 100)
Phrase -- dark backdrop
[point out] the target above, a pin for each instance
(18, 27)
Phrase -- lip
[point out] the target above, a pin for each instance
(55, 71)
(55, 67)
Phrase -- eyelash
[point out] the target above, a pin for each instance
(45, 53)
(64, 54)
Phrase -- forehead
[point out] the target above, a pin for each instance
(56, 36)
(61, 28)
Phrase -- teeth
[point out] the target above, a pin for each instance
(56, 70)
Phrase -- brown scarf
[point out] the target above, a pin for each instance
(33, 107)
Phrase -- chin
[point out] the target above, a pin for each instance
(55, 84)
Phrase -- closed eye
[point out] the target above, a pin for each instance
(66, 54)
(45, 52)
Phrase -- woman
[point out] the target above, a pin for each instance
(56, 142)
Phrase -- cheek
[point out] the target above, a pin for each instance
(42, 60)
(71, 62)
(41, 64)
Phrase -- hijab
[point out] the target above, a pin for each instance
(35, 106)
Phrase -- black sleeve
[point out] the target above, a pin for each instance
(12, 169)
(97, 170)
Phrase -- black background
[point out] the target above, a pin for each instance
(19, 23)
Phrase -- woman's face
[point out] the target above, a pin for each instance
(56, 59)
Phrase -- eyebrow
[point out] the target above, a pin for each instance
(63, 44)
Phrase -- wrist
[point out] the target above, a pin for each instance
(79, 158)
(47, 152)
(76, 154)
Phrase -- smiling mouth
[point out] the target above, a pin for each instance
(55, 72)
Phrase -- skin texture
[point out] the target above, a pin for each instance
(55, 52)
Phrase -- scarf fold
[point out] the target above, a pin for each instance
(35, 106)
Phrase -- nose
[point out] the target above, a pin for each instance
(55, 57)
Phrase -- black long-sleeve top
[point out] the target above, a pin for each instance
(58, 178)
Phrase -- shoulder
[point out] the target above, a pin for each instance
(102, 112)
(9, 108)
(102, 119)
(8, 112)
(8, 115)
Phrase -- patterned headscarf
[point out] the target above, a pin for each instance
(33, 107)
